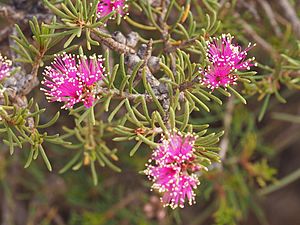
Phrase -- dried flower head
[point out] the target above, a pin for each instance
(105, 7)
(5, 67)
(226, 58)
(72, 79)
(173, 170)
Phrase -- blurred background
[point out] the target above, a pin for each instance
(258, 184)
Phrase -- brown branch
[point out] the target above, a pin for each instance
(118, 44)
(258, 39)
(182, 44)
(272, 18)
(4, 33)
(249, 6)
(148, 52)
(291, 15)
(122, 48)
(112, 44)
(13, 15)
(164, 26)
(10, 13)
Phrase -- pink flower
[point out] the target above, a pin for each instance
(173, 170)
(5, 67)
(180, 189)
(176, 148)
(105, 7)
(163, 176)
(226, 58)
(215, 77)
(72, 81)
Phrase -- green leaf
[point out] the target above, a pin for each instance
(51, 122)
(172, 118)
(94, 173)
(30, 157)
(135, 148)
(186, 116)
(70, 163)
(45, 158)
(115, 111)
(237, 95)
(147, 141)
(108, 163)
(264, 108)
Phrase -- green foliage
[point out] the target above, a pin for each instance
(90, 144)
(226, 215)
(138, 104)
(21, 127)
(77, 18)
(43, 40)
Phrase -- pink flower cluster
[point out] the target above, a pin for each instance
(72, 79)
(5, 67)
(173, 170)
(226, 58)
(105, 7)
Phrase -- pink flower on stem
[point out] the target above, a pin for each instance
(173, 170)
(5, 67)
(176, 148)
(72, 79)
(181, 189)
(226, 58)
(105, 7)
(215, 77)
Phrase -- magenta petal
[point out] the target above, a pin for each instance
(5, 67)
(177, 148)
(169, 173)
(225, 58)
(105, 7)
(69, 81)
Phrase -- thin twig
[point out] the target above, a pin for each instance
(10, 13)
(112, 44)
(281, 183)
(291, 15)
(258, 39)
(272, 18)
